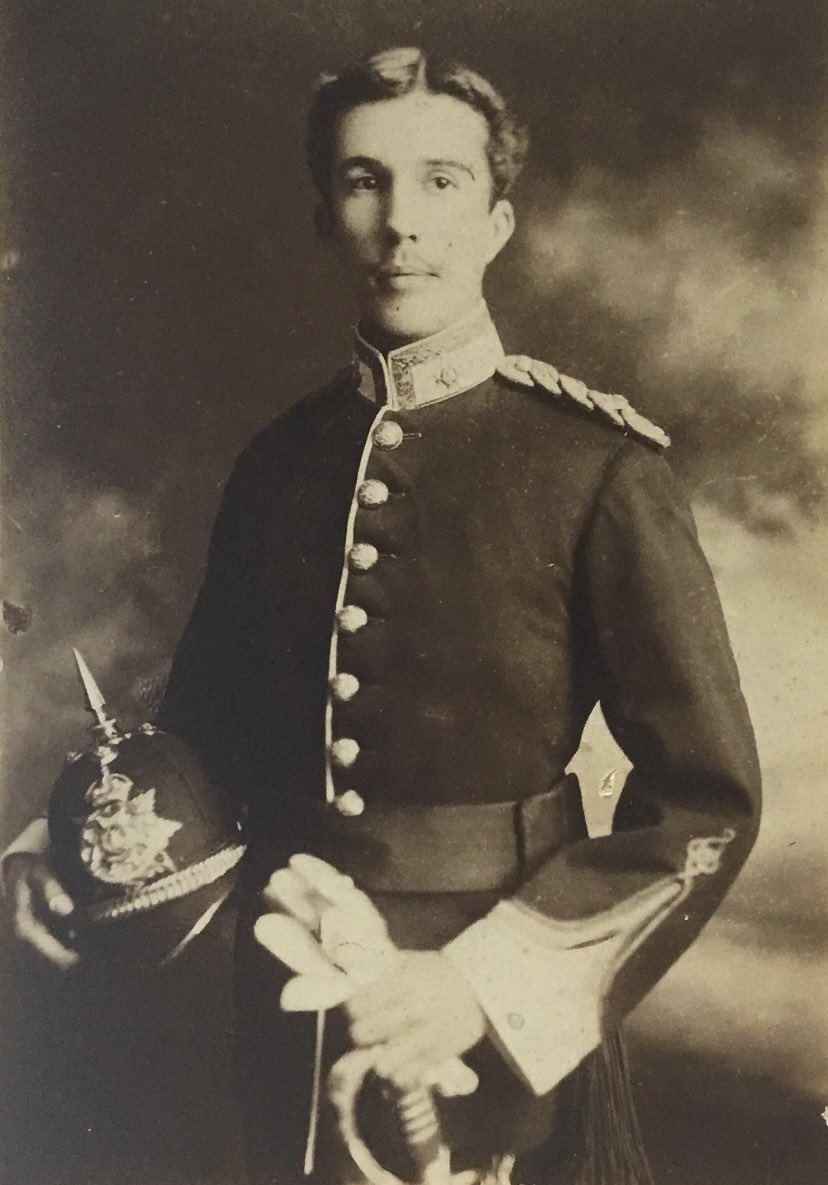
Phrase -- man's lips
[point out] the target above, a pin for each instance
(402, 276)
(405, 271)
(393, 268)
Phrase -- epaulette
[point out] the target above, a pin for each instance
(614, 409)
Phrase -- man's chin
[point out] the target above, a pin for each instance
(413, 317)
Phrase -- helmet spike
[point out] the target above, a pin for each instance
(95, 699)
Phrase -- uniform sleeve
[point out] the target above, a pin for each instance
(33, 840)
(557, 966)
(215, 662)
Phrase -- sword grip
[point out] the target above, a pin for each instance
(420, 1126)
(417, 1115)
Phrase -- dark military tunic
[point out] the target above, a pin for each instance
(421, 581)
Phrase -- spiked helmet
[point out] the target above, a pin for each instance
(140, 839)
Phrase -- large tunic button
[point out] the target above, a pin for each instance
(388, 434)
(351, 618)
(372, 493)
(362, 556)
(350, 804)
(344, 686)
(344, 752)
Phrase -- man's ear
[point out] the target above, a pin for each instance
(501, 225)
(323, 221)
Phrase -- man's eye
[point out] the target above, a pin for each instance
(365, 181)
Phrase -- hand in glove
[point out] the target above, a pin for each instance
(411, 1004)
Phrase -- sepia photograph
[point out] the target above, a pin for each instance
(414, 592)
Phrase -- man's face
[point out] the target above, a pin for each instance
(410, 211)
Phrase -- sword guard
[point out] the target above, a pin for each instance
(419, 1123)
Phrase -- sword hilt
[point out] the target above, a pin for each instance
(419, 1124)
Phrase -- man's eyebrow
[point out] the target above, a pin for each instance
(361, 162)
(369, 162)
(445, 163)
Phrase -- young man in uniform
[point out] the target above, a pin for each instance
(422, 579)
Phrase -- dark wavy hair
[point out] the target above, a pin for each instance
(396, 72)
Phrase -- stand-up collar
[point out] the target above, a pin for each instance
(434, 368)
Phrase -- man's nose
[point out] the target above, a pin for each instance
(403, 212)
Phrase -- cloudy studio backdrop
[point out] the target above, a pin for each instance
(164, 297)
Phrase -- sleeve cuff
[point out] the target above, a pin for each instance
(543, 1005)
(542, 982)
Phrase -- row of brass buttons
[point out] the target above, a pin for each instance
(361, 557)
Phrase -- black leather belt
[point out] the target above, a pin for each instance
(455, 848)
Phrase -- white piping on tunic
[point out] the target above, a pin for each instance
(316, 1095)
(392, 404)
(330, 792)
(367, 449)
